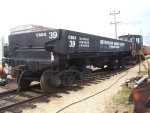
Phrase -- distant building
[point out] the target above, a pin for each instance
(28, 28)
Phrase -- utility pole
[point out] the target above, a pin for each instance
(115, 22)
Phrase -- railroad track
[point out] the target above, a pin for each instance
(103, 75)
(18, 104)
(8, 91)
(12, 99)
(95, 78)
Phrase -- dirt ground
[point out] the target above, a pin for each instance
(100, 103)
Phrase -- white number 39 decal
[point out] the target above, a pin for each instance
(72, 43)
(52, 34)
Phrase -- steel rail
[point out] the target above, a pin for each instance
(8, 91)
(15, 90)
(18, 104)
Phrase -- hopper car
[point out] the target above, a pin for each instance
(60, 57)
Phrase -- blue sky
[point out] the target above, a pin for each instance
(89, 16)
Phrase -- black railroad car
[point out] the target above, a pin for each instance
(59, 57)
(137, 44)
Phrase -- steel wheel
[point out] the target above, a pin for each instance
(123, 63)
(69, 77)
(22, 82)
(47, 82)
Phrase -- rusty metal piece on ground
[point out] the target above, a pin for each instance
(141, 97)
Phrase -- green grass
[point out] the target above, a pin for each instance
(122, 95)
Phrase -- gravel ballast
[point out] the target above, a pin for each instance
(96, 104)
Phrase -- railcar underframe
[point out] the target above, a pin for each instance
(63, 70)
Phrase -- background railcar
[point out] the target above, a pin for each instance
(137, 44)
(146, 50)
